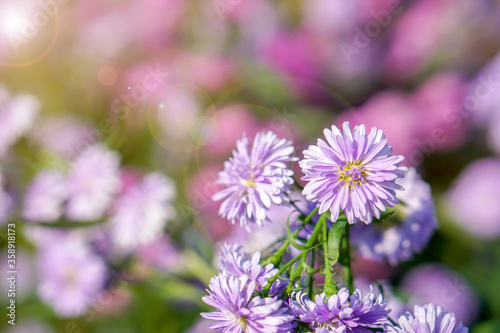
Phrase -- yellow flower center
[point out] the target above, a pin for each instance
(353, 173)
(248, 183)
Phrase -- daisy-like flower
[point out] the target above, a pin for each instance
(239, 312)
(352, 171)
(71, 276)
(92, 183)
(234, 262)
(141, 213)
(45, 196)
(427, 318)
(416, 222)
(255, 179)
(17, 116)
(341, 312)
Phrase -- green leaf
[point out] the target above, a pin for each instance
(334, 238)
(383, 218)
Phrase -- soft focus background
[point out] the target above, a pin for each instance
(116, 115)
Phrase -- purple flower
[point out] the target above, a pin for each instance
(416, 222)
(239, 312)
(17, 115)
(341, 312)
(255, 179)
(353, 172)
(234, 262)
(70, 275)
(142, 212)
(44, 198)
(427, 318)
(92, 183)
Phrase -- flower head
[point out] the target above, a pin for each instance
(239, 312)
(427, 318)
(17, 116)
(141, 212)
(416, 222)
(352, 171)
(92, 183)
(70, 275)
(341, 312)
(234, 262)
(45, 197)
(255, 179)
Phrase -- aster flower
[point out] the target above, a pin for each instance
(92, 183)
(234, 262)
(352, 171)
(239, 312)
(141, 213)
(416, 222)
(427, 318)
(44, 198)
(255, 179)
(341, 312)
(70, 275)
(17, 115)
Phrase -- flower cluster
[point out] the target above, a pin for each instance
(234, 293)
(231, 293)
(351, 177)
(124, 213)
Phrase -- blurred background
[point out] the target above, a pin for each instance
(116, 115)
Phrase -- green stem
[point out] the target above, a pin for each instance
(310, 216)
(347, 258)
(311, 276)
(309, 245)
(330, 287)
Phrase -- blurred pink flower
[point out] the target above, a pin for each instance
(140, 214)
(70, 275)
(66, 136)
(393, 113)
(201, 188)
(483, 93)
(231, 121)
(332, 17)
(44, 198)
(106, 28)
(295, 54)
(92, 183)
(472, 201)
(25, 281)
(437, 284)
(416, 36)
(210, 72)
(434, 100)
(161, 254)
(17, 117)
